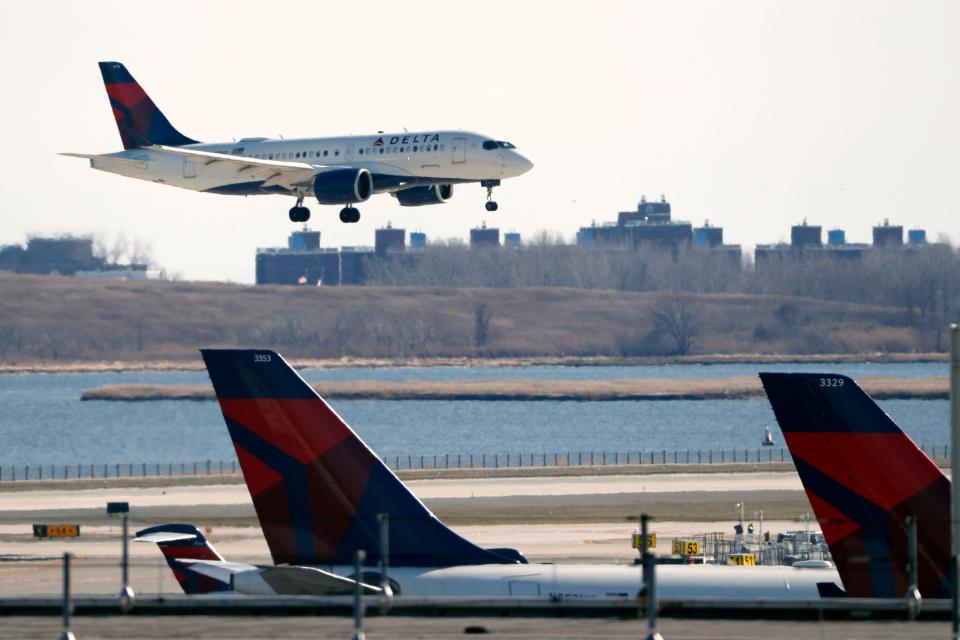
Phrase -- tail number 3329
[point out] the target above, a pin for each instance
(831, 382)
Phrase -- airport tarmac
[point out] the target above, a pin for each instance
(279, 628)
(550, 519)
(229, 494)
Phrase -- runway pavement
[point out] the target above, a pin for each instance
(238, 628)
(556, 519)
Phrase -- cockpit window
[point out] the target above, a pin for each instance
(489, 144)
(505, 145)
(497, 144)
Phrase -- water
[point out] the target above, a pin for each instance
(42, 420)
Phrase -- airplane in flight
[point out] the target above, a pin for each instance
(864, 477)
(318, 490)
(418, 168)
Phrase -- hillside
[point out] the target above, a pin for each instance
(58, 319)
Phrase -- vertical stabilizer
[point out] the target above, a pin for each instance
(864, 477)
(140, 121)
(316, 487)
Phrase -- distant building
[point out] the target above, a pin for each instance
(418, 240)
(917, 237)
(483, 237)
(887, 235)
(304, 262)
(804, 235)
(67, 256)
(389, 240)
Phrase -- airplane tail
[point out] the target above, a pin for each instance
(864, 477)
(316, 487)
(139, 120)
(181, 544)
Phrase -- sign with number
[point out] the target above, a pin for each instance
(686, 547)
(651, 541)
(56, 530)
(742, 559)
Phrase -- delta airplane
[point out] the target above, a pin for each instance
(318, 490)
(416, 168)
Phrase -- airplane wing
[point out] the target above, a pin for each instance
(298, 580)
(273, 172)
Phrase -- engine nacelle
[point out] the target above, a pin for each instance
(343, 186)
(419, 196)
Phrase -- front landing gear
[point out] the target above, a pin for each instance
(490, 184)
(299, 213)
(349, 214)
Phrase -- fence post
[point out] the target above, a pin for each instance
(664, 456)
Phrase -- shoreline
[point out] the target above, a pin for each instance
(196, 364)
(732, 388)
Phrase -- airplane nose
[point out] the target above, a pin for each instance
(522, 164)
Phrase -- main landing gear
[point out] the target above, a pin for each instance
(349, 214)
(490, 184)
(299, 213)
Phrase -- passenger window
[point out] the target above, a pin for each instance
(325, 152)
(381, 149)
(337, 152)
(414, 148)
(361, 151)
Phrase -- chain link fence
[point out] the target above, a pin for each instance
(501, 460)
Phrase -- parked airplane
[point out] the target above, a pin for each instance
(864, 477)
(417, 168)
(318, 489)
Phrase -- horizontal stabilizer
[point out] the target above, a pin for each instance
(165, 536)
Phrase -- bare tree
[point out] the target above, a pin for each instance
(140, 252)
(481, 326)
(676, 318)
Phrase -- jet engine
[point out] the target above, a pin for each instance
(343, 186)
(419, 196)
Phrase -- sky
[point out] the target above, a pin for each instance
(752, 115)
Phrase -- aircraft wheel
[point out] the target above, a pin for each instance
(345, 215)
(491, 206)
(354, 214)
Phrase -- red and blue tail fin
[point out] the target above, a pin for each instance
(140, 122)
(316, 487)
(181, 544)
(864, 477)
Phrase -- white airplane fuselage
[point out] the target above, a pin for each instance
(395, 161)
(587, 581)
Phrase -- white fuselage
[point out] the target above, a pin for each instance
(588, 582)
(396, 161)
